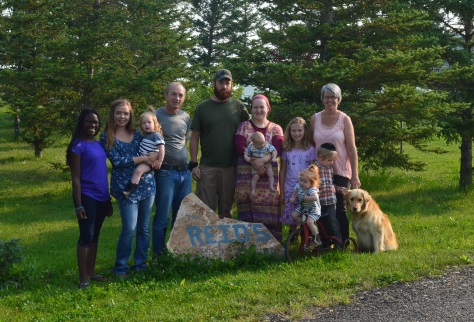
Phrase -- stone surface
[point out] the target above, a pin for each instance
(199, 231)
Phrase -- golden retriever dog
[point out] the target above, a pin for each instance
(372, 227)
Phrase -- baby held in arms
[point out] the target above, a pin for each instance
(257, 149)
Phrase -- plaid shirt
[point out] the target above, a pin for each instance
(327, 191)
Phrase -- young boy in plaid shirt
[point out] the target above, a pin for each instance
(326, 155)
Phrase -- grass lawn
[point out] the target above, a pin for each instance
(431, 217)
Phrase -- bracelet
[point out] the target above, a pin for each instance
(192, 165)
(80, 207)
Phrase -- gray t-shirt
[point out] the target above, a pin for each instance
(176, 129)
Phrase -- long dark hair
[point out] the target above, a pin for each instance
(78, 130)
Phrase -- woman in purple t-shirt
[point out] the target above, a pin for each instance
(90, 191)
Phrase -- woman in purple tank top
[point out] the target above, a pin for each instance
(334, 126)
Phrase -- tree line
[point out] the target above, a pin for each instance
(405, 67)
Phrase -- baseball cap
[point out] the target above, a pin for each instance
(221, 74)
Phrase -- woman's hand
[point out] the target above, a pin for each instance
(262, 170)
(355, 182)
(257, 163)
(81, 213)
(152, 157)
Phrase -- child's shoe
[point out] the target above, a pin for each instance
(314, 240)
(128, 190)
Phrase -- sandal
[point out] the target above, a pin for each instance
(83, 286)
(98, 278)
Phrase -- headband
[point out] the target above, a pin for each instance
(258, 96)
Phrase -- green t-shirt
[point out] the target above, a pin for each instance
(217, 123)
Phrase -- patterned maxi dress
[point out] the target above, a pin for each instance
(265, 206)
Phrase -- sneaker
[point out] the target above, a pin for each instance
(314, 240)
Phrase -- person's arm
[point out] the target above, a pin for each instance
(293, 196)
(75, 164)
(193, 151)
(313, 196)
(277, 142)
(240, 143)
(119, 161)
(282, 177)
(142, 159)
(246, 156)
(161, 155)
(312, 124)
(257, 163)
(352, 151)
(274, 156)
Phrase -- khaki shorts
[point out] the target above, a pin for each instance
(217, 188)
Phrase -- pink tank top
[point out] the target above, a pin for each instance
(334, 135)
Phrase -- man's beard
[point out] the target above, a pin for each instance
(223, 95)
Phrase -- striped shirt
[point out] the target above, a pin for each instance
(151, 143)
(312, 207)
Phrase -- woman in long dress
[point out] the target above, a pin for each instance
(264, 206)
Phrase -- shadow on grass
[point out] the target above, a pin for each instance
(9, 160)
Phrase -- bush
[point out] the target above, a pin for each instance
(10, 252)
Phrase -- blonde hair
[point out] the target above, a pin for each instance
(289, 143)
(110, 122)
(150, 111)
(312, 174)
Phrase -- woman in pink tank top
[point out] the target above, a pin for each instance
(334, 126)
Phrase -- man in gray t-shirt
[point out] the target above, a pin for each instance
(173, 179)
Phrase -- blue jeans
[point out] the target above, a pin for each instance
(135, 221)
(171, 188)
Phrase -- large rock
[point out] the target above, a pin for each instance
(199, 231)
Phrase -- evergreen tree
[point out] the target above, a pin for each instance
(455, 20)
(227, 37)
(210, 20)
(61, 56)
(29, 65)
(382, 55)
